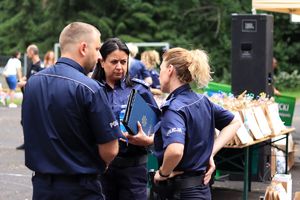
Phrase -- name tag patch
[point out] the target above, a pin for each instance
(174, 130)
(113, 124)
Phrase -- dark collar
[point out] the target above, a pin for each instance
(121, 84)
(179, 90)
(72, 63)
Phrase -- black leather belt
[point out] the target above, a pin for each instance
(65, 177)
(129, 161)
(167, 189)
(187, 182)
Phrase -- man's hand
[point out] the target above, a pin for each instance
(210, 170)
(21, 84)
(140, 139)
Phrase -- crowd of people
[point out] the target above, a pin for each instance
(71, 120)
(13, 75)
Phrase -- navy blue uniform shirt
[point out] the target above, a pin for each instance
(190, 119)
(118, 97)
(65, 116)
(155, 79)
(138, 69)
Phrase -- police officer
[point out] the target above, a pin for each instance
(71, 134)
(151, 60)
(126, 178)
(137, 68)
(185, 146)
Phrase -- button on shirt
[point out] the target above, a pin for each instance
(65, 116)
(190, 119)
(117, 97)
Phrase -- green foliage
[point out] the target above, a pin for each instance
(19, 24)
(288, 80)
(190, 24)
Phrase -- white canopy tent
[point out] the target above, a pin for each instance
(282, 6)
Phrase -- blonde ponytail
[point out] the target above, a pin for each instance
(189, 65)
(199, 68)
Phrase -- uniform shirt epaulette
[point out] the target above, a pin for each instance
(136, 80)
(167, 103)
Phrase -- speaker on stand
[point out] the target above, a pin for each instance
(251, 70)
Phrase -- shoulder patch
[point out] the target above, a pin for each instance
(139, 81)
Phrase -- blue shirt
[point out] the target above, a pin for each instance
(65, 116)
(190, 119)
(138, 70)
(155, 79)
(117, 97)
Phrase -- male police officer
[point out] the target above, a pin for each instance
(70, 131)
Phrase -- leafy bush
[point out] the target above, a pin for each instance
(285, 80)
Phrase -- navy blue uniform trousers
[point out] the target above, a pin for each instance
(125, 183)
(195, 193)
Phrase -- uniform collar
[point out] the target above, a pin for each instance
(121, 84)
(179, 90)
(72, 64)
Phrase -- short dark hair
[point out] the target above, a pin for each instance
(109, 46)
(15, 54)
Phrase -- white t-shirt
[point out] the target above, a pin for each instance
(11, 66)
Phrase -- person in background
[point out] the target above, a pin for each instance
(70, 132)
(126, 178)
(13, 73)
(136, 68)
(32, 52)
(274, 66)
(185, 147)
(49, 59)
(151, 60)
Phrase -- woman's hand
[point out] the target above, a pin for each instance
(140, 139)
(158, 177)
(210, 170)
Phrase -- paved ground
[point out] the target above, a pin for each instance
(15, 178)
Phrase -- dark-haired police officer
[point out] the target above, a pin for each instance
(126, 178)
(76, 136)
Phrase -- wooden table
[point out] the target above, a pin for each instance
(245, 147)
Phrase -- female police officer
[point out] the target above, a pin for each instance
(186, 141)
(126, 178)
